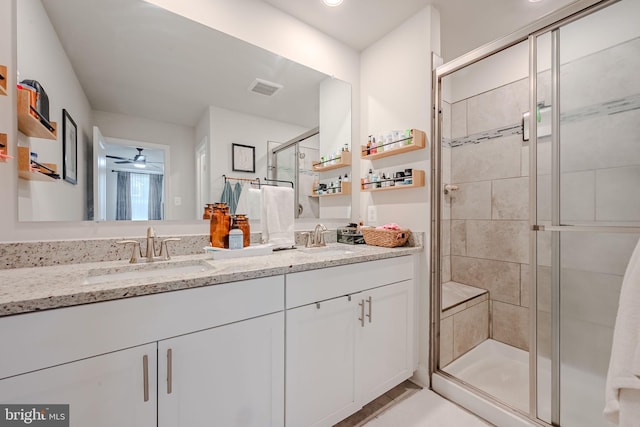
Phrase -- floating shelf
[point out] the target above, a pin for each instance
(29, 125)
(417, 142)
(345, 160)
(346, 190)
(417, 177)
(3, 80)
(26, 171)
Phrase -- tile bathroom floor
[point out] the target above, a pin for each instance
(408, 405)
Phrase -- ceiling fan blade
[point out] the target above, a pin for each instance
(116, 157)
(123, 162)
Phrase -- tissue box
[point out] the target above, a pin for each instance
(350, 236)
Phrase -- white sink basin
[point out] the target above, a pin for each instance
(145, 271)
(327, 250)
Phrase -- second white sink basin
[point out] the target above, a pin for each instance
(145, 271)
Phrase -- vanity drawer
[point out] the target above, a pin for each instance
(318, 285)
(39, 340)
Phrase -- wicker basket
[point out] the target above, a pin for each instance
(386, 238)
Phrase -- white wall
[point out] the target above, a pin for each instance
(395, 87)
(229, 127)
(180, 177)
(396, 94)
(43, 58)
(8, 120)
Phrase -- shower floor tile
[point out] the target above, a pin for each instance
(498, 369)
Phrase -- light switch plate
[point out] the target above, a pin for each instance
(177, 201)
(372, 214)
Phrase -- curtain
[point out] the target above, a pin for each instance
(123, 197)
(155, 196)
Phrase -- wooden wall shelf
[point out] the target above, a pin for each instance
(418, 142)
(3, 80)
(417, 177)
(346, 190)
(345, 160)
(25, 171)
(29, 125)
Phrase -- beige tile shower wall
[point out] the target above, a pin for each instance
(489, 213)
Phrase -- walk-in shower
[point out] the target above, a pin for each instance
(538, 166)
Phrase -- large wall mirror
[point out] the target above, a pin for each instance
(160, 102)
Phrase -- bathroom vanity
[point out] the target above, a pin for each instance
(324, 332)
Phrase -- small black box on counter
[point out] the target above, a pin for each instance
(350, 235)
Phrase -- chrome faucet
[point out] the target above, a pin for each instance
(316, 238)
(150, 254)
(150, 251)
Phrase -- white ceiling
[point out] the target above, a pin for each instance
(136, 59)
(464, 24)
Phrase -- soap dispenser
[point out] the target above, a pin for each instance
(236, 236)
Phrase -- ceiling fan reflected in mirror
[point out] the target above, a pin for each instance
(139, 160)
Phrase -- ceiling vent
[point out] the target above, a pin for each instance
(264, 87)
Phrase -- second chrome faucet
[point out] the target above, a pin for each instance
(316, 238)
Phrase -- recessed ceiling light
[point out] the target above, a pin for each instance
(332, 3)
(534, 1)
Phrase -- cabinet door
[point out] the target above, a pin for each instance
(232, 375)
(102, 391)
(320, 363)
(385, 342)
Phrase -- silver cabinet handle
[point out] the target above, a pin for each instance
(145, 377)
(361, 318)
(169, 371)
(370, 301)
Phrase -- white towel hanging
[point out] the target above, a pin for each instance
(623, 378)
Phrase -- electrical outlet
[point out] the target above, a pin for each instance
(372, 214)
(177, 200)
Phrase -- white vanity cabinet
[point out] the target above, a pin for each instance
(321, 350)
(227, 376)
(115, 389)
(226, 341)
(349, 339)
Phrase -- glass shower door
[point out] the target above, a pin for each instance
(588, 204)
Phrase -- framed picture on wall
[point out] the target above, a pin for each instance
(69, 148)
(243, 158)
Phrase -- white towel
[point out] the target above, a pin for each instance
(623, 379)
(277, 216)
(249, 202)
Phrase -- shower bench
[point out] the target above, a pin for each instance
(464, 320)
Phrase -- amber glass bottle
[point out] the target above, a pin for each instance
(208, 210)
(220, 225)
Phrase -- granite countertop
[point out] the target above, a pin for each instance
(24, 290)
